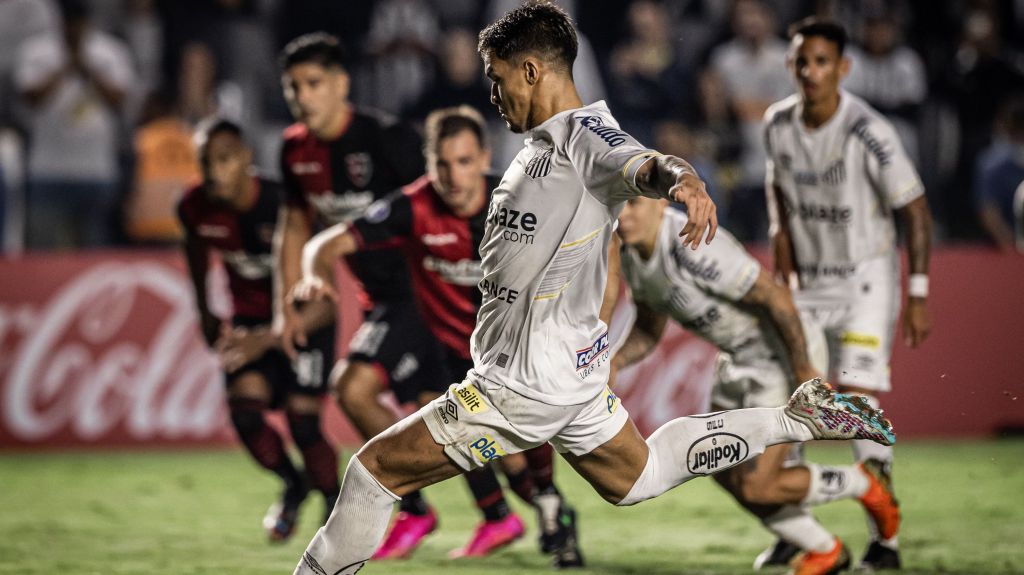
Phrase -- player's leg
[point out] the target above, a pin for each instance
(556, 518)
(403, 459)
(249, 396)
(862, 368)
(626, 469)
(304, 401)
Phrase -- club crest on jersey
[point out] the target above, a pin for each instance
(716, 452)
(359, 168)
(540, 165)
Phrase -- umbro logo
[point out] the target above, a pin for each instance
(540, 165)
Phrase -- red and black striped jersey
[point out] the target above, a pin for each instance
(335, 181)
(244, 240)
(443, 252)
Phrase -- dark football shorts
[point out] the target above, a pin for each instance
(395, 340)
(307, 375)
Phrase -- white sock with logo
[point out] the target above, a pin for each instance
(797, 526)
(355, 528)
(689, 447)
(833, 483)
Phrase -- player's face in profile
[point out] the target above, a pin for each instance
(225, 161)
(510, 91)
(316, 95)
(817, 67)
(457, 169)
(639, 220)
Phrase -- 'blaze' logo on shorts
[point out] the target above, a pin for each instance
(470, 398)
(486, 449)
(716, 452)
(586, 356)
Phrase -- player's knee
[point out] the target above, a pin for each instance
(754, 491)
(305, 429)
(358, 387)
(246, 415)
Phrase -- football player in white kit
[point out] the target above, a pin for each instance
(722, 294)
(837, 173)
(540, 352)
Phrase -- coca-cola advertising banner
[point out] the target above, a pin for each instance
(101, 349)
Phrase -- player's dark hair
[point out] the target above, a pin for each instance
(215, 126)
(827, 29)
(538, 27)
(317, 48)
(446, 122)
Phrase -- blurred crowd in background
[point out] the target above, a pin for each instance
(98, 98)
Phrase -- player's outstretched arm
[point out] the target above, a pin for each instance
(318, 258)
(642, 339)
(675, 179)
(917, 323)
(777, 302)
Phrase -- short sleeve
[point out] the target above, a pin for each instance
(722, 267)
(386, 220)
(606, 157)
(888, 165)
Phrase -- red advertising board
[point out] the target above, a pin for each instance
(101, 349)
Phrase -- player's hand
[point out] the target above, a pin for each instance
(917, 322)
(311, 289)
(241, 346)
(289, 331)
(213, 329)
(702, 212)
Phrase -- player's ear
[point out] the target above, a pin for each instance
(531, 70)
(342, 82)
(844, 66)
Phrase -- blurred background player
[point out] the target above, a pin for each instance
(233, 213)
(439, 221)
(836, 173)
(721, 294)
(337, 161)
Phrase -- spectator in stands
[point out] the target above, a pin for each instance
(890, 76)
(165, 166)
(751, 70)
(75, 84)
(401, 47)
(647, 77)
(999, 172)
(461, 80)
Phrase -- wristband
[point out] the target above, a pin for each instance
(917, 285)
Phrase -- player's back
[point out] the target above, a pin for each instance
(545, 259)
(840, 183)
(701, 289)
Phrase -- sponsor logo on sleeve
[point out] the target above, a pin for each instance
(470, 398)
(610, 135)
(715, 452)
(486, 449)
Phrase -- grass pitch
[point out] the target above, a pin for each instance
(199, 513)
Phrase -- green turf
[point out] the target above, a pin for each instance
(185, 513)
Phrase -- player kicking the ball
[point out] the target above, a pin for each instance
(540, 351)
(723, 295)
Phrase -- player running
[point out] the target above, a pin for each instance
(836, 174)
(233, 213)
(721, 294)
(439, 221)
(540, 351)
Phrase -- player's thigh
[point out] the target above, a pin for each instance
(405, 457)
(613, 467)
(249, 382)
(358, 381)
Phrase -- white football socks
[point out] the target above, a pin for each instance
(832, 483)
(689, 447)
(355, 528)
(797, 526)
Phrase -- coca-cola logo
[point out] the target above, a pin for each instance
(113, 351)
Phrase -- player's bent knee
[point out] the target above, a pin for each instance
(305, 429)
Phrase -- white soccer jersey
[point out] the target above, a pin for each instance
(701, 289)
(545, 261)
(840, 184)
